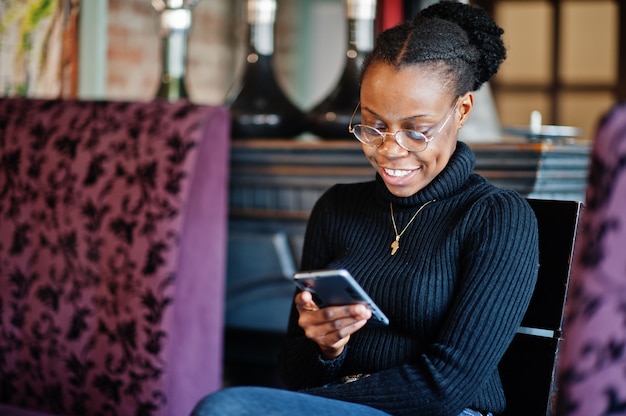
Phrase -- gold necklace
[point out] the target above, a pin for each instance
(395, 245)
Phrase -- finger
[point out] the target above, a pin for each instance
(335, 338)
(356, 312)
(360, 312)
(304, 302)
(331, 332)
(343, 335)
(306, 296)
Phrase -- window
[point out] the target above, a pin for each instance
(564, 59)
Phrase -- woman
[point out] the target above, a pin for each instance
(451, 259)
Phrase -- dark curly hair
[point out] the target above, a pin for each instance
(460, 39)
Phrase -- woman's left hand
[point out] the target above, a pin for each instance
(332, 326)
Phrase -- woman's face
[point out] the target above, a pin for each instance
(414, 98)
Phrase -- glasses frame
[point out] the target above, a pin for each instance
(383, 135)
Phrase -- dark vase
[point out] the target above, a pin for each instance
(329, 119)
(174, 24)
(259, 107)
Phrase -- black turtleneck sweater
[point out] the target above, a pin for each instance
(455, 292)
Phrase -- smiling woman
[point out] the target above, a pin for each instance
(432, 243)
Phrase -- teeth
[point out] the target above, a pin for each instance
(397, 172)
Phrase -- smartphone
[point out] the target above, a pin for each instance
(336, 288)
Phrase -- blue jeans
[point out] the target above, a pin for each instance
(254, 401)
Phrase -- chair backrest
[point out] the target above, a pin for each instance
(113, 229)
(528, 368)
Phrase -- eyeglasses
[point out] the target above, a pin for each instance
(411, 140)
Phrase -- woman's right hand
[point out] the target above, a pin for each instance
(330, 327)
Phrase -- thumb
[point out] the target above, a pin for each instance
(304, 301)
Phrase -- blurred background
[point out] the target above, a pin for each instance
(563, 60)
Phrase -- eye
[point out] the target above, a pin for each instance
(377, 124)
(414, 135)
(420, 126)
(373, 121)
(369, 131)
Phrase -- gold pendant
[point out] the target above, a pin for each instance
(395, 246)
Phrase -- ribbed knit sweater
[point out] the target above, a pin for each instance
(455, 292)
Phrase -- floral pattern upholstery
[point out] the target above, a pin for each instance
(112, 255)
(592, 374)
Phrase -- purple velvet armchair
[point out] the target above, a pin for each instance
(592, 380)
(113, 220)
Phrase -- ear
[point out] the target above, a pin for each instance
(465, 107)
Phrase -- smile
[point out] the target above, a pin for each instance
(398, 173)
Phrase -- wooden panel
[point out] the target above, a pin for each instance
(585, 109)
(529, 52)
(589, 33)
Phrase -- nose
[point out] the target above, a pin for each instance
(390, 147)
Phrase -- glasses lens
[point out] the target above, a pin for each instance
(368, 135)
(411, 140)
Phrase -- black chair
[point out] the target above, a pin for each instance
(528, 368)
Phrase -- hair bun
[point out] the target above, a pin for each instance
(482, 32)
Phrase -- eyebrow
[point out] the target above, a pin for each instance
(409, 118)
